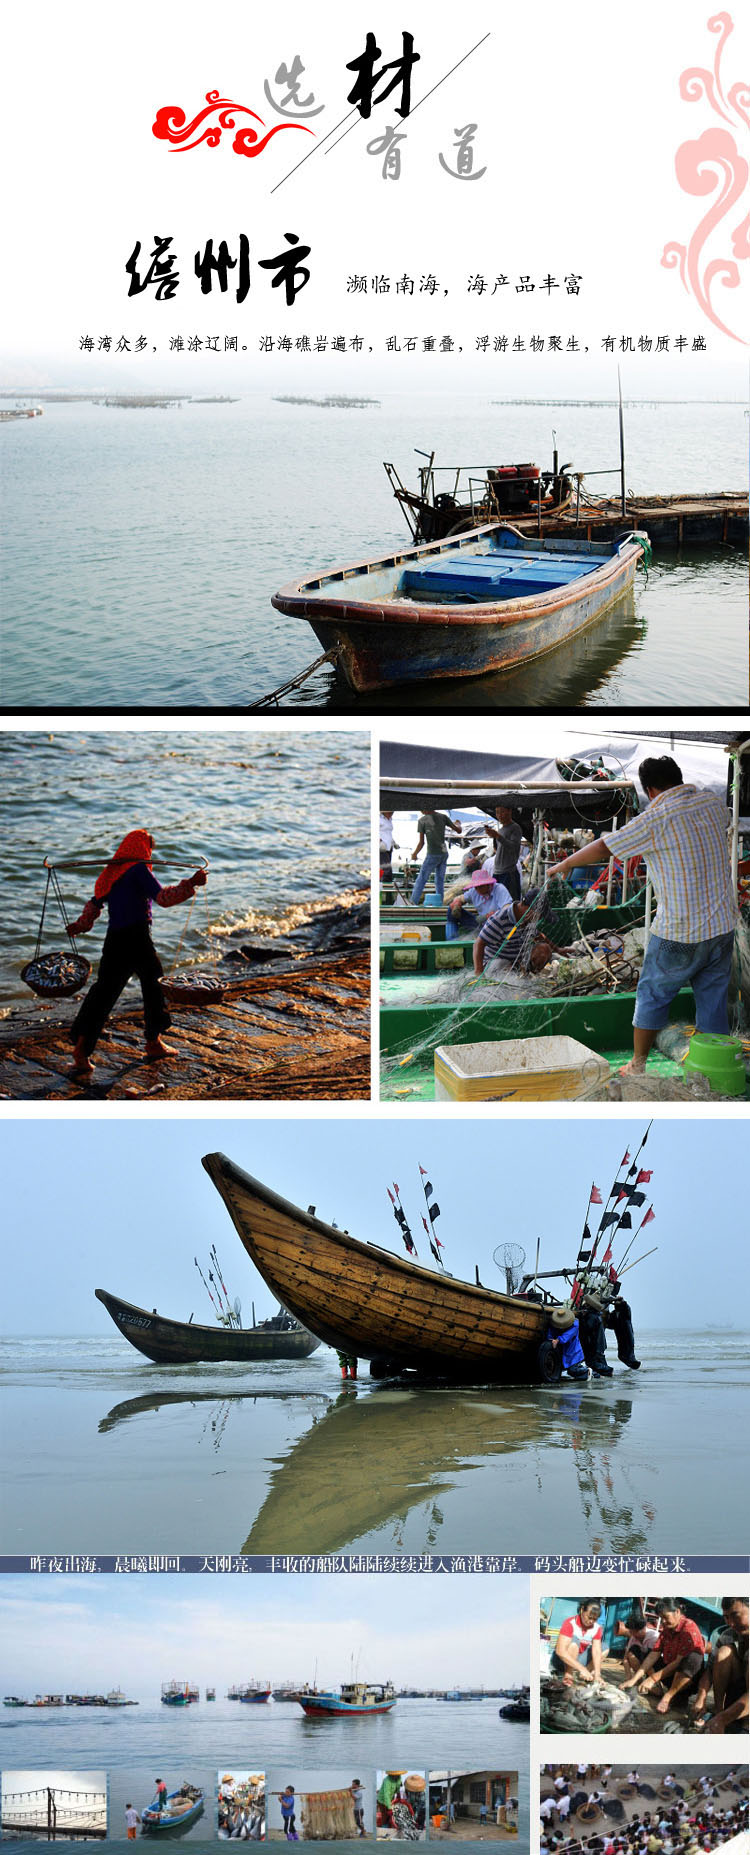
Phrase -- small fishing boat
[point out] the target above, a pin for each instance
(116, 1698)
(353, 1697)
(182, 1808)
(517, 1707)
(485, 601)
(210, 1693)
(181, 1342)
(255, 1693)
(380, 1307)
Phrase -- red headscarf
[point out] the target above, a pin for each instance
(135, 848)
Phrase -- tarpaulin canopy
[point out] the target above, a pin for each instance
(422, 777)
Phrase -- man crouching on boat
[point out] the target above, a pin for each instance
(128, 886)
(564, 1333)
(503, 935)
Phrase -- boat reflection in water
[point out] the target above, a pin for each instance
(374, 1455)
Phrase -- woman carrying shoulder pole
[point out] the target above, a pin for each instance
(128, 886)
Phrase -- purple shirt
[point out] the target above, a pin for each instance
(129, 899)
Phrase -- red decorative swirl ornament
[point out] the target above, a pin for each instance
(714, 167)
(171, 125)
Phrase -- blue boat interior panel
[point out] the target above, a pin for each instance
(502, 575)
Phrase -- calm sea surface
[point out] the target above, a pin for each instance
(277, 1458)
(195, 1742)
(281, 817)
(143, 547)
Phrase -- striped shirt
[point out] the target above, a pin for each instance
(683, 836)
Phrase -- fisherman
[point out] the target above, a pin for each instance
(288, 1804)
(507, 837)
(432, 827)
(502, 936)
(683, 836)
(128, 886)
(642, 1637)
(579, 1642)
(132, 1820)
(563, 1332)
(676, 1663)
(483, 895)
(726, 1671)
(161, 1794)
(358, 1799)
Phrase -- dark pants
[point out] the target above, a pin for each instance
(511, 881)
(126, 952)
(619, 1318)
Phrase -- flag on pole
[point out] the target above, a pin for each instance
(607, 1257)
(644, 1178)
(422, 1170)
(390, 1194)
(625, 1161)
(596, 1197)
(626, 1222)
(649, 1217)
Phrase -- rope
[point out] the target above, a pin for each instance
(295, 682)
(53, 882)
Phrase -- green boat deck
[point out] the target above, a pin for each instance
(410, 1033)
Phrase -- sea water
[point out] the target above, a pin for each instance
(143, 548)
(278, 1458)
(282, 819)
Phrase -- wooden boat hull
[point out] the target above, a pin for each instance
(361, 1300)
(328, 1706)
(180, 1342)
(159, 1822)
(384, 640)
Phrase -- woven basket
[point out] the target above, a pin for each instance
(193, 991)
(56, 975)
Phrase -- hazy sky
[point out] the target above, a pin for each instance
(578, 136)
(87, 1634)
(125, 1204)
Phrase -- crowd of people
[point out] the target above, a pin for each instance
(242, 1810)
(678, 1812)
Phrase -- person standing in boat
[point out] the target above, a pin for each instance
(683, 836)
(432, 827)
(507, 837)
(128, 886)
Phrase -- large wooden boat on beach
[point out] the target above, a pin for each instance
(182, 1342)
(365, 1301)
(485, 601)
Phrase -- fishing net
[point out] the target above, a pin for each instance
(600, 963)
(194, 989)
(510, 1257)
(328, 1816)
(58, 974)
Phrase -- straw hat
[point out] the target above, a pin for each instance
(414, 1781)
(562, 1318)
(595, 1302)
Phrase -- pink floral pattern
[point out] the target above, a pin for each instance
(713, 168)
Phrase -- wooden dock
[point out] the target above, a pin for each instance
(669, 521)
(299, 1032)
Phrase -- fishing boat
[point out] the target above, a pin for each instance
(116, 1698)
(388, 1309)
(255, 1693)
(178, 1694)
(464, 606)
(455, 497)
(353, 1697)
(181, 1342)
(210, 1693)
(517, 1707)
(182, 1808)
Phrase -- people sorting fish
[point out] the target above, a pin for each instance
(127, 887)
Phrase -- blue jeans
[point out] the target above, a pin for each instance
(437, 861)
(670, 964)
